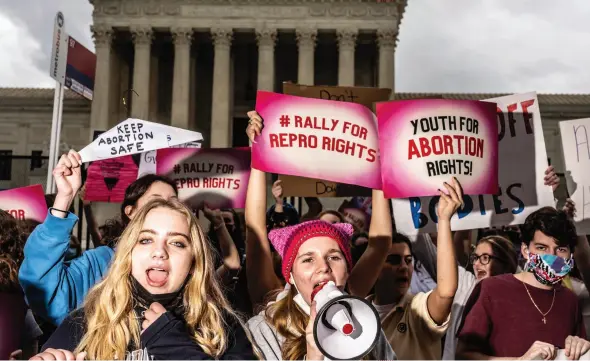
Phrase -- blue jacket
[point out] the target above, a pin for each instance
(52, 286)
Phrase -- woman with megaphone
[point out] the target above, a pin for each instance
(314, 254)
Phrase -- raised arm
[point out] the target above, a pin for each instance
(229, 252)
(366, 271)
(52, 286)
(440, 300)
(259, 262)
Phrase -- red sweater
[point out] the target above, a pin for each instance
(500, 319)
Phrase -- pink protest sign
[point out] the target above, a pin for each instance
(25, 203)
(108, 179)
(425, 142)
(218, 177)
(314, 138)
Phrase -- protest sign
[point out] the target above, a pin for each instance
(307, 187)
(134, 136)
(425, 142)
(218, 177)
(317, 139)
(108, 179)
(147, 161)
(359, 95)
(522, 163)
(576, 153)
(25, 203)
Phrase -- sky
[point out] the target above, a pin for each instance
(499, 46)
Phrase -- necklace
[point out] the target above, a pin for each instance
(537, 307)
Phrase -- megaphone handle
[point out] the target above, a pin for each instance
(326, 323)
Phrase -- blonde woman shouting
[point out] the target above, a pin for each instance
(159, 300)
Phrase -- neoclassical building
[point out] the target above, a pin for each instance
(197, 64)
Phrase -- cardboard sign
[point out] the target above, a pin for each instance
(108, 179)
(359, 95)
(25, 203)
(522, 164)
(425, 142)
(576, 153)
(307, 187)
(218, 177)
(134, 136)
(317, 138)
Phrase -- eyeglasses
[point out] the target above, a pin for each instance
(396, 260)
(483, 258)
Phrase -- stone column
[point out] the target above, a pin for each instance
(220, 118)
(386, 40)
(182, 68)
(266, 39)
(142, 38)
(346, 46)
(306, 40)
(99, 115)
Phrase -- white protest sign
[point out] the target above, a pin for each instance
(522, 159)
(148, 164)
(576, 153)
(136, 136)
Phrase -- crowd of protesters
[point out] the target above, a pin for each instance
(157, 286)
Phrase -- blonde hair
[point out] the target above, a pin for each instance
(111, 322)
(290, 322)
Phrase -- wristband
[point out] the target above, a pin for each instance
(59, 210)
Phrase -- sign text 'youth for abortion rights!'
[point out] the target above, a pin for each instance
(522, 164)
(330, 140)
(218, 177)
(576, 153)
(136, 136)
(25, 203)
(425, 142)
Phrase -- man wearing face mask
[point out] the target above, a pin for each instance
(529, 315)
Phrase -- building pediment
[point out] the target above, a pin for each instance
(321, 13)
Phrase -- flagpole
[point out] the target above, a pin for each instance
(58, 97)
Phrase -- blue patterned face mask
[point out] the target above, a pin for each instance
(548, 269)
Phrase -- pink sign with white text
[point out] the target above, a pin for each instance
(218, 177)
(425, 142)
(25, 203)
(323, 139)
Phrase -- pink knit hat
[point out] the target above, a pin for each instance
(287, 240)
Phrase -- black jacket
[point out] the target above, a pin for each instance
(165, 339)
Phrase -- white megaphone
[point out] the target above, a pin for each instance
(346, 327)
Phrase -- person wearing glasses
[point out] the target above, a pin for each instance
(493, 255)
(415, 324)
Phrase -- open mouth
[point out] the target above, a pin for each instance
(481, 273)
(156, 277)
(317, 288)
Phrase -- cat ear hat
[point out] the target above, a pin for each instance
(287, 240)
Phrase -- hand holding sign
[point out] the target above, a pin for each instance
(255, 125)
(67, 175)
(448, 204)
(551, 178)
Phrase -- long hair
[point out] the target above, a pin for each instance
(504, 250)
(290, 322)
(110, 318)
